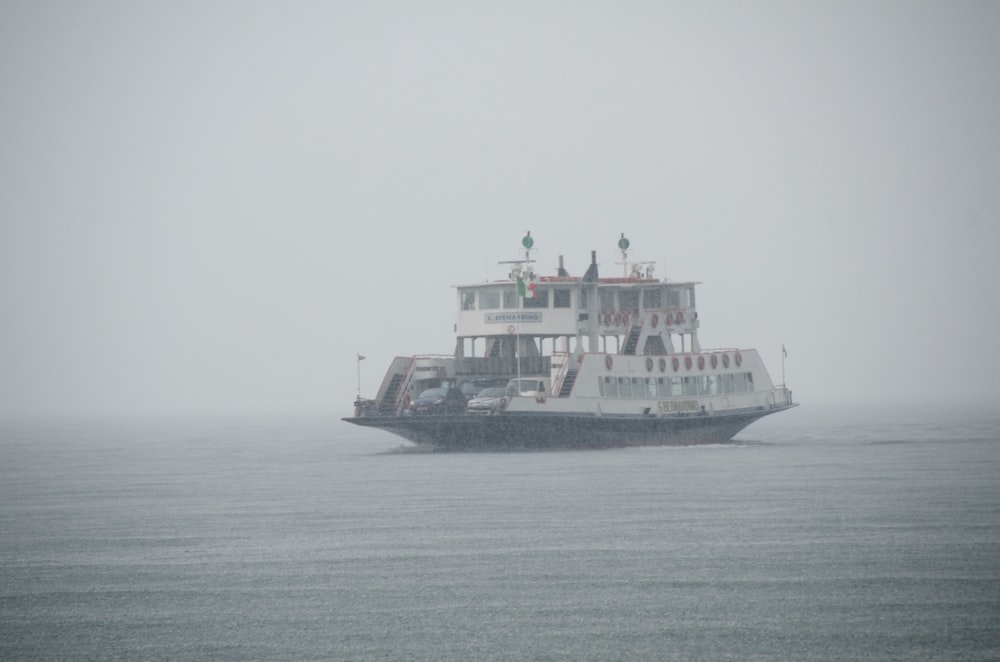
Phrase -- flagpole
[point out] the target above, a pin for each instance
(360, 359)
(784, 353)
(517, 341)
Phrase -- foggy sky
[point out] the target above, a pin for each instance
(213, 206)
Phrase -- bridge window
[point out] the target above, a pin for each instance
(560, 298)
(607, 299)
(510, 297)
(489, 299)
(468, 299)
(540, 300)
(673, 298)
(628, 300)
(651, 298)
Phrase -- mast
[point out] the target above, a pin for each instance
(623, 245)
(521, 268)
(590, 279)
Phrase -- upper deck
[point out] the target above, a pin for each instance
(633, 313)
(562, 306)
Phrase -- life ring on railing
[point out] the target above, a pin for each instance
(725, 360)
(701, 363)
(608, 361)
(663, 364)
(676, 363)
(714, 361)
(649, 364)
(406, 401)
(738, 359)
(655, 321)
(687, 362)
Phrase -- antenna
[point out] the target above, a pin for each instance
(528, 243)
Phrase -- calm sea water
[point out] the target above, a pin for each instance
(819, 535)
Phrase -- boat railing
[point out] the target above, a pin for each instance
(502, 366)
(561, 361)
(783, 396)
(670, 318)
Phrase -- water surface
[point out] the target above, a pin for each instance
(818, 535)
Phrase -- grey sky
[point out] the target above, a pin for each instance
(211, 206)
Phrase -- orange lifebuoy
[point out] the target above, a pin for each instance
(608, 361)
(725, 360)
(649, 365)
(739, 359)
(655, 320)
(687, 362)
(663, 364)
(715, 361)
(701, 363)
(676, 363)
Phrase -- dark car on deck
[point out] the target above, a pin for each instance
(440, 400)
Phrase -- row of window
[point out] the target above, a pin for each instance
(653, 298)
(490, 299)
(613, 298)
(672, 387)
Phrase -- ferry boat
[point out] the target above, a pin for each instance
(586, 362)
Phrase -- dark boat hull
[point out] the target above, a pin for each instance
(552, 431)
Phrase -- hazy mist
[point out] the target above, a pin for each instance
(213, 206)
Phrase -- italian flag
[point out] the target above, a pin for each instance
(525, 290)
